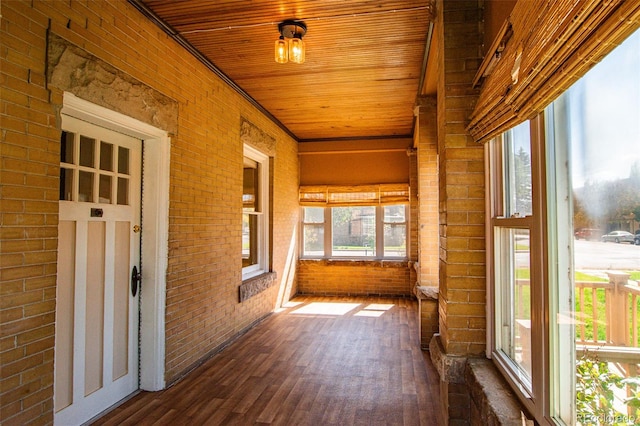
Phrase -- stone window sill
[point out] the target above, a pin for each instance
(255, 285)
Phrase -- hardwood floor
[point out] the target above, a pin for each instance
(320, 361)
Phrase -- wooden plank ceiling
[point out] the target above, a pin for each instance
(364, 59)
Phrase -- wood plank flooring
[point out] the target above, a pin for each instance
(319, 361)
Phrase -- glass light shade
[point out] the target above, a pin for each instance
(296, 50)
(281, 53)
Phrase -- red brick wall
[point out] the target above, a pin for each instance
(204, 269)
(343, 277)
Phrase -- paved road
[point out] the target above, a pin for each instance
(599, 255)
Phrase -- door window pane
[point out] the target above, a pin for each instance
(66, 184)
(123, 191)
(87, 151)
(85, 186)
(66, 147)
(105, 189)
(106, 156)
(123, 160)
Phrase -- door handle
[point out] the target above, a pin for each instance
(135, 280)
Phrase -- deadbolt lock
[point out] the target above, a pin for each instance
(136, 228)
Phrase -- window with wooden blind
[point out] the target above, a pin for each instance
(548, 46)
(367, 222)
(327, 195)
(564, 329)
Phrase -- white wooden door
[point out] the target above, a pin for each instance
(96, 350)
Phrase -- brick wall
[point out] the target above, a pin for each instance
(414, 217)
(29, 217)
(202, 309)
(426, 141)
(461, 189)
(357, 277)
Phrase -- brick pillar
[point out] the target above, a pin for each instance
(426, 142)
(412, 232)
(461, 207)
(461, 191)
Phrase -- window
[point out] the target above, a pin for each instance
(368, 222)
(313, 219)
(565, 303)
(512, 222)
(355, 232)
(594, 128)
(94, 170)
(255, 209)
(394, 224)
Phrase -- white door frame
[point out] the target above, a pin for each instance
(155, 232)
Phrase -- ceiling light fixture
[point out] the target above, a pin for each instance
(290, 47)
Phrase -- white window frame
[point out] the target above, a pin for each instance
(262, 265)
(532, 393)
(552, 399)
(379, 224)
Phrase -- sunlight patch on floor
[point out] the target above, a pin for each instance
(379, 306)
(371, 314)
(374, 310)
(286, 306)
(326, 308)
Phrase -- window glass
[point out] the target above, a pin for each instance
(594, 127)
(85, 187)
(313, 231)
(88, 170)
(104, 189)
(66, 147)
(123, 191)
(249, 240)
(517, 167)
(123, 160)
(106, 156)
(250, 186)
(250, 225)
(395, 231)
(66, 184)
(513, 298)
(353, 231)
(87, 151)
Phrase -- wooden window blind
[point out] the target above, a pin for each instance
(553, 44)
(326, 195)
